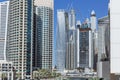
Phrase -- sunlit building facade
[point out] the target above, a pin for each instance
(19, 37)
(62, 28)
(71, 48)
(85, 39)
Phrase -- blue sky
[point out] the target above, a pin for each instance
(83, 9)
(3, 0)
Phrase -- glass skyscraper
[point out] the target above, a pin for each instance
(20, 35)
(62, 28)
(4, 8)
(43, 34)
(71, 50)
(66, 40)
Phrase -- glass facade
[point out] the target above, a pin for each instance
(84, 45)
(43, 37)
(62, 21)
(71, 48)
(4, 6)
(66, 40)
(29, 36)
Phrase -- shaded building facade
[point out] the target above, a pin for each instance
(85, 56)
(43, 34)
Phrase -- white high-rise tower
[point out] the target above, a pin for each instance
(93, 21)
(78, 25)
(62, 20)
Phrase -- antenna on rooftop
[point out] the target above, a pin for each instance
(68, 6)
(80, 15)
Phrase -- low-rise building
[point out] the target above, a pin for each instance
(6, 70)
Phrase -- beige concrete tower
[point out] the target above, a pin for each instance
(19, 38)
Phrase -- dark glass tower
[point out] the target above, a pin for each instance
(85, 56)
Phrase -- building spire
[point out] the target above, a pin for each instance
(93, 13)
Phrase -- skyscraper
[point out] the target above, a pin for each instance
(62, 29)
(103, 38)
(4, 8)
(85, 56)
(19, 38)
(78, 25)
(94, 42)
(71, 50)
(43, 33)
(6, 67)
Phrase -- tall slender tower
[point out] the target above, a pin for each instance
(94, 44)
(62, 28)
(71, 52)
(93, 21)
(43, 33)
(72, 20)
(85, 55)
(19, 38)
(4, 8)
(78, 25)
